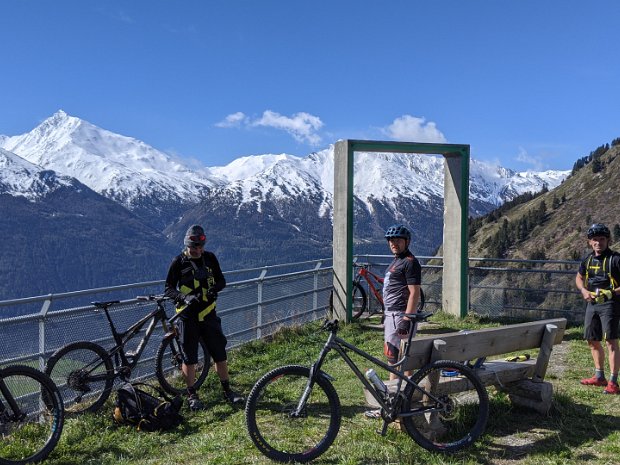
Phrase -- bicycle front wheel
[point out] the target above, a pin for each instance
(169, 363)
(276, 430)
(32, 415)
(84, 375)
(452, 413)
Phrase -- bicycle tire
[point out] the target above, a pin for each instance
(71, 366)
(168, 361)
(35, 435)
(359, 300)
(467, 407)
(281, 437)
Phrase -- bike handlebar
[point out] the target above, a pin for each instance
(151, 297)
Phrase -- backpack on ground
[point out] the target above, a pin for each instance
(146, 412)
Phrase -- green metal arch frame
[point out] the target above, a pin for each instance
(343, 209)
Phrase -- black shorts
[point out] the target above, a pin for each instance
(601, 321)
(210, 330)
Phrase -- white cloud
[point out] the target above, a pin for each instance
(232, 121)
(524, 157)
(413, 129)
(302, 126)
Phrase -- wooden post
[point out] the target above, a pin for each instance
(546, 346)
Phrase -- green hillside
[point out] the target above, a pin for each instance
(552, 225)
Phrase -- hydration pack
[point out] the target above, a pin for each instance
(146, 412)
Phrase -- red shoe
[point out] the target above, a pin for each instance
(612, 388)
(594, 381)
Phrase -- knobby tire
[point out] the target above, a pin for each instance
(72, 367)
(32, 437)
(282, 437)
(168, 366)
(467, 407)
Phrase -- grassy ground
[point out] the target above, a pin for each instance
(582, 427)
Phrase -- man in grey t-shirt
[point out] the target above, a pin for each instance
(401, 290)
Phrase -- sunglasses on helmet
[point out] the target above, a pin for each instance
(200, 238)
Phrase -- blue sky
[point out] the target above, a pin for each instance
(530, 84)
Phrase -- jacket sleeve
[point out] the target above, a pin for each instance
(172, 281)
(220, 280)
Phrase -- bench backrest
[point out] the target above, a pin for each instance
(484, 342)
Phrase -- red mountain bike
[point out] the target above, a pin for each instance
(374, 283)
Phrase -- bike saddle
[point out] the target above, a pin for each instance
(105, 304)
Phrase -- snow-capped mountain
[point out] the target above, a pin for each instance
(78, 185)
(121, 168)
(133, 173)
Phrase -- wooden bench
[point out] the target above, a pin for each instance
(523, 381)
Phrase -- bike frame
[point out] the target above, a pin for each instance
(122, 338)
(368, 275)
(392, 410)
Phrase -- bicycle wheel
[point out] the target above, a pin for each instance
(458, 416)
(169, 360)
(269, 415)
(84, 375)
(359, 300)
(33, 416)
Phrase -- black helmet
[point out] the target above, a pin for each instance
(195, 235)
(398, 230)
(598, 229)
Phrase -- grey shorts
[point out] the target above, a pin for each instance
(391, 347)
(602, 321)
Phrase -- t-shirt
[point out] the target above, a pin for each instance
(404, 270)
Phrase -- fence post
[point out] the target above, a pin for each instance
(42, 315)
(259, 305)
(315, 294)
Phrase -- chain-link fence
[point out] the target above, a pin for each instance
(258, 301)
(501, 288)
(254, 304)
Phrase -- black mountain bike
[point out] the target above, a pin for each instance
(85, 372)
(293, 412)
(31, 415)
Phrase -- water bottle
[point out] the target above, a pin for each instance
(371, 375)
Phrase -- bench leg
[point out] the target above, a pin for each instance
(531, 394)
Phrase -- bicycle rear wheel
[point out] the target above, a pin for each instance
(459, 415)
(360, 300)
(84, 375)
(269, 415)
(169, 362)
(31, 431)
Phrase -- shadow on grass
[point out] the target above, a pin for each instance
(513, 433)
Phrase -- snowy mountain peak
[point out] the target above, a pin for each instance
(139, 176)
(120, 167)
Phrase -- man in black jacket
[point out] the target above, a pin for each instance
(193, 281)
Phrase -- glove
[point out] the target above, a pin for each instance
(211, 294)
(190, 300)
(404, 326)
(603, 295)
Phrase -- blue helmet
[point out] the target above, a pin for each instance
(598, 229)
(398, 230)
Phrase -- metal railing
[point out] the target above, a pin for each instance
(257, 301)
(506, 288)
(254, 304)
